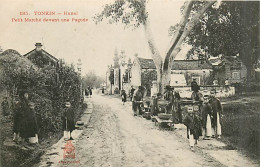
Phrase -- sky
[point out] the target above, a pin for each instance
(94, 44)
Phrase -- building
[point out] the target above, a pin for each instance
(143, 73)
(40, 57)
(229, 68)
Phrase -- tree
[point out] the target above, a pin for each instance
(91, 79)
(133, 13)
(231, 29)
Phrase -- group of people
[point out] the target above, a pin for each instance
(25, 127)
(204, 119)
(88, 92)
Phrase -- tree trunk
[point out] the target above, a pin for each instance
(155, 54)
(185, 27)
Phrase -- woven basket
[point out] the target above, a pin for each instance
(164, 116)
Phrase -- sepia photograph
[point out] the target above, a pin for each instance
(129, 83)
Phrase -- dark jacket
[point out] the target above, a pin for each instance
(68, 119)
(217, 109)
(192, 122)
(205, 111)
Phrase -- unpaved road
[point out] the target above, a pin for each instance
(115, 137)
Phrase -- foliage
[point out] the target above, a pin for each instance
(92, 80)
(228, 30)
(129, 12)
(133, 13)
(49, 87)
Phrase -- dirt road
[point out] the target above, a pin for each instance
(115, 137)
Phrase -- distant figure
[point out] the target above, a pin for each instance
(132, 90)
(123, 96)
(177, 106)
(86, 92)
(90, 91)
(137, 101)
(5, 107)
(217, 114)
(103, 90)
(68, 121)
(194, 86)
(169, 97)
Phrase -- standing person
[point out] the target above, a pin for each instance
(217, 114)
(168, 96)
(25, 109)
(5, 107)
(123, 96)
(194, 86)
(32, 124)
(17, 118)
(132, 90)
(137, 100)
(177, 106)
(206, 114)
(192, 122)
(68, 121)
(86, 92)
(90, 91)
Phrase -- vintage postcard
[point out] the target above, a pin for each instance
(129, 83)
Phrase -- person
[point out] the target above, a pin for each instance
(90, 91)
(217, 114)
(17, 117)
(86, 92)
(68, 121)
(168, 96)
(24, 107)
(32, 124)
(132, 90)
(194, 86)
(123, 96)
(206, 114)
(5, 107)
(137, 100)
(192, 122)
(177, 106)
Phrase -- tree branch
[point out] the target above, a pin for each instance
(175, 49)
(178, 32)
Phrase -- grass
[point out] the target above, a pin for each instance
(241, 126)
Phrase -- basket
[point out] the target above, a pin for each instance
(164, 116)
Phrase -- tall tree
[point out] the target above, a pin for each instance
(231, 29)
(133, 13)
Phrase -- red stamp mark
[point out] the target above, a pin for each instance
(69, 154)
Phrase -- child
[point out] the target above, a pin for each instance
(123, 96)
(192, 122)
(68, 121)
